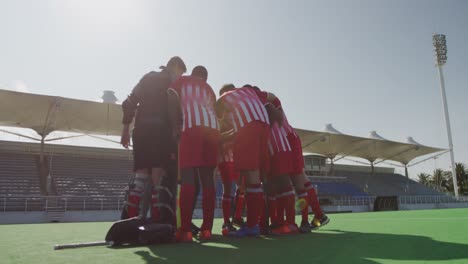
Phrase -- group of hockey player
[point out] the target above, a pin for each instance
(244, 135)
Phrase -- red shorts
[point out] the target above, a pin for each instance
(251, 147)
(228, 172)
(199, 147)
(296, 157)
(281, 164)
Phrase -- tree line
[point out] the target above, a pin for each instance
(441, 180)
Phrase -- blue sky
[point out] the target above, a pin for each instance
(360, 65)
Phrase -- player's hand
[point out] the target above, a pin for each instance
(125, 138)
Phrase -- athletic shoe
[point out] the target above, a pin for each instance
(195, 229)
(239, 222)
(316, 223)
(246, 231)
(183, 236)
(205, 235)
(228, 227)
(305, 227)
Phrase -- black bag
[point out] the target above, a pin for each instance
(138, 231)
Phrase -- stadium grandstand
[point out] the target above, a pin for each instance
(75, 183)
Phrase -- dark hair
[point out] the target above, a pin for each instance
(226, 88)
(256, 88)
(247, 85)
(175, 61)
(201, 72)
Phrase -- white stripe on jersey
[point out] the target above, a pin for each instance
(246, 112)
(258, 106)
(196, 110)
(247, 99)
(206, 120)
(282, 141)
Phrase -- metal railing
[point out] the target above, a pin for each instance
(65, 203)
(92, 203)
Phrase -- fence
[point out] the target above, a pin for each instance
(83, 203)
(69, 203)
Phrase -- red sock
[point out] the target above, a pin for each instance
(209, 195)
(254, 200)
(286, 202)
(226, 208)
(240, 201)
(154, 206)
(313, 200)
(133, 203)
(187, 192)
(302, 194)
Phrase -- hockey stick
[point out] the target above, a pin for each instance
(82, 245)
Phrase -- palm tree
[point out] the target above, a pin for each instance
(462, 175)
(424, 178)
(442, 180)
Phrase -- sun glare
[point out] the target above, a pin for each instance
(104, 12)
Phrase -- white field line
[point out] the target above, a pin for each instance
(410, 218)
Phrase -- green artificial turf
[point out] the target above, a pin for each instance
(427, 236)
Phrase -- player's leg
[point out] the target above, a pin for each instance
(285, 199)
(136, 192)
(156, 178)
(320, 219)
(239, 202)
(187, 193)
(195, 228)
(209, 196)
(225, 169)
(298, 183)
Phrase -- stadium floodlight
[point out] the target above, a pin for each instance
(440, 46)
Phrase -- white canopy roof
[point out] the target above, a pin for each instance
(45, 114)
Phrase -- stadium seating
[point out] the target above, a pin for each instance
(384, 184)
(18, 175)
(338, 189)
(88, 176)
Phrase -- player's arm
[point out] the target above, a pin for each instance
(227, 132)
(174, 111)
(129, 107)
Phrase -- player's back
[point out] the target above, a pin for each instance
(245, 107)
(197, 101)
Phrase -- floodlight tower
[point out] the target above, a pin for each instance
(440, 47)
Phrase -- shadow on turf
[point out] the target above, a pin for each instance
(331, 246)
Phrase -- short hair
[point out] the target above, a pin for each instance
(256, 88)
(226, 88)
(247, 85)
(176, 61)
(201, 72)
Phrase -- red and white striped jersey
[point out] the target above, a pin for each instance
(278, 141)
(197, 100)
(244, 107)
(285, 126)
